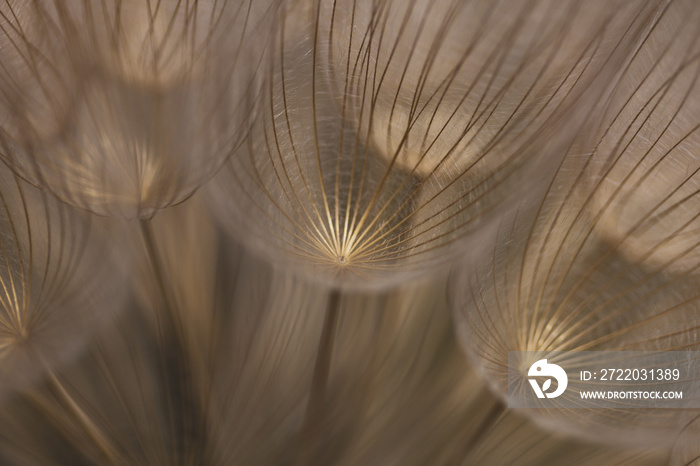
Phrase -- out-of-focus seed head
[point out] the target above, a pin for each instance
(127, 107)
(56, 281)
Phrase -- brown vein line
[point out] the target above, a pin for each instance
(290, 132)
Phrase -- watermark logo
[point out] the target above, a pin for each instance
(604, 379)
(543, 369)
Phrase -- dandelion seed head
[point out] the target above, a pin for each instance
(124, 108)
(605, 260)
(54, 276)
(647, 148)
(382, 142)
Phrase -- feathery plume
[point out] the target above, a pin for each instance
(126, 107)
(392, 133)
(56, 283)
(606, 260)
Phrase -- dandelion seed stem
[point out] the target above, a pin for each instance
(83, 419)
(175, 372)
(313, 418)
(487, 423)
